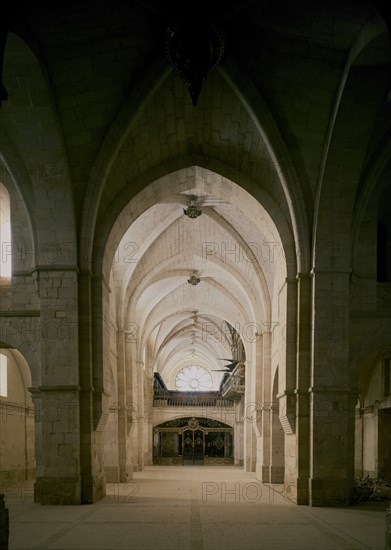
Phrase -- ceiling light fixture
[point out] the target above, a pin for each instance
(193, 209)
(194, 46)
(194, 280)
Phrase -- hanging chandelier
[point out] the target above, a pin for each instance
(193, 209)
(194, 46)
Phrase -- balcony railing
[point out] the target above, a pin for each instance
(164, 398)
(235, 386)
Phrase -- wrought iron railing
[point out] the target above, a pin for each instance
(163, 398)
(234, 386)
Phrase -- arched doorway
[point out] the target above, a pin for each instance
(183, 289)
(373, 421)
(17, 434)
(193, 441)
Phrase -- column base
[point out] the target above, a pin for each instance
(276, 474)
(126, 474)
(295, 490)
(112, 474)
(93, 488)
(329, 492)
(302, 488)
(251, 465)
(263, 473)
(57, 490)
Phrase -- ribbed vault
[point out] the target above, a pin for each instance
(232, 249)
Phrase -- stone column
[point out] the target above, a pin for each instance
(36, 398)
(124, 414)
(148, 403)
(140, 414)
(250, 408)
(276, 445)
(264, 411)
(332, 399)
(302, 385)
(148, 410)
(287, 379)
(249, 437)
(58, 479)
(131, 400)
(94, 401)
(239, 447)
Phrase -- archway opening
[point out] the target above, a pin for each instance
(373, 421)
(17, 434)
(196, 278)
(193, 441)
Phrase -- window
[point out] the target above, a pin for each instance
(193, 378)
(3, 375)
(5, 233)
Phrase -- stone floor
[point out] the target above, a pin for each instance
(195, 508)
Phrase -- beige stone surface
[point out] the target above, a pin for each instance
(286, 155)
(200, 508)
